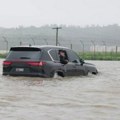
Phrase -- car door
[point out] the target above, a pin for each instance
(70, 69)
(78, 68)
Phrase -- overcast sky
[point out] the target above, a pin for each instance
(70, 12)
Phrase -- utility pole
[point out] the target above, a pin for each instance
(82, 46)
(104, 43)
(94, 47)
(57, 28)
(5, 39)
(20, 43)
(71, 46)
(46, 42)
(33, 41)
(116, 49)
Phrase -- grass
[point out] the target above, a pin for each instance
(100, 55)
(3, 55)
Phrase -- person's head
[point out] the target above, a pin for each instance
(62, 53)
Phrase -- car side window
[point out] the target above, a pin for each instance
(45, 56)
(54, 55)
(73, 57)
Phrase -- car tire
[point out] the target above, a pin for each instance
(56, 73)
(61, 74)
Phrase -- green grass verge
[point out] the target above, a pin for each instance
(100, 55)
(3, 55)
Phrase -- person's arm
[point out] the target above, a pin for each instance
(63, 60)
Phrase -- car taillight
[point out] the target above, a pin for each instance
(7, 63)
(36, 63)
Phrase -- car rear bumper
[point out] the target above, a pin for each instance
(26, 74)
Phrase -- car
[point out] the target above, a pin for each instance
(44, 61)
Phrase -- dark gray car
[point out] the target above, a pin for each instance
(44, 61)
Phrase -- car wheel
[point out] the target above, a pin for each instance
(52, 74)
(55, 74)
(61, 74)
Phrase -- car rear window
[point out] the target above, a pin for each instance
(24, 49)
(24, 53)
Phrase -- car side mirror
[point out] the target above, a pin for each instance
(75, 61)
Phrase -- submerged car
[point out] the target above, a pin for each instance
(44, 61)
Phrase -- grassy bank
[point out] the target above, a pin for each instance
(100, 55)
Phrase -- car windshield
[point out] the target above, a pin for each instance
(24, 54)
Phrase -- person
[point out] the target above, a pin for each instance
(63, 57)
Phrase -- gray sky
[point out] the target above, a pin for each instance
(70, 12)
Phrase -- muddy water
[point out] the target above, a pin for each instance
(72, 98)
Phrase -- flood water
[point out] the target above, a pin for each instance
(92, 97)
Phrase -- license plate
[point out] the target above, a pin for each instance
(19, 69)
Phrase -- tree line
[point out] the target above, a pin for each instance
(110, 34)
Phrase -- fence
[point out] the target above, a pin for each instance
(86, 49)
